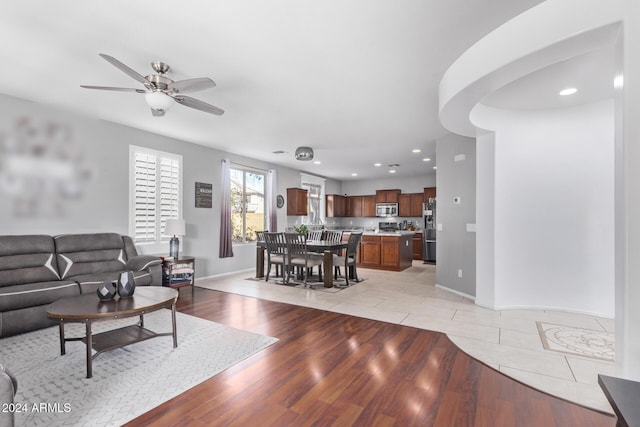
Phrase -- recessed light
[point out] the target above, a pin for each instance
(435, 167)
(354, 174)
(394, 165)
(568, 91)
(618, 81)
(426, 159)
(279, 152)
(416, 150)
(317, 162)
(377, 165)
(392, 171)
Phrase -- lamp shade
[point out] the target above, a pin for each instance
(174, 227)
(158, 100)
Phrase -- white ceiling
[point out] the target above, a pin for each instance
(356, 80)
(592, 74)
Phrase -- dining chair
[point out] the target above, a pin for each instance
(299, 256)
(349, 258)
(314, 235)
(260, 235)
(276, 252)
(334, 236)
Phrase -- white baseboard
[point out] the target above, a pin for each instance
(453, 291)
(230, 273)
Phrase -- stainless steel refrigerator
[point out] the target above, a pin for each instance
(429, 231)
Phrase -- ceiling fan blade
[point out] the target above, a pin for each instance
(119, 89)
(128, 71)
(187, 101)
(192, 85)
(157, 113)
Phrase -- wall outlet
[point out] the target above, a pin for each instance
(459, 272)
(457, 200)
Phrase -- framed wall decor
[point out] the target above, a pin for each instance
(204, 195)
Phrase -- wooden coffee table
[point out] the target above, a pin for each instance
(88, 309)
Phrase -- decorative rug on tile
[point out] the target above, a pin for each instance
(53, 390)
(578, 341)
(314, 283)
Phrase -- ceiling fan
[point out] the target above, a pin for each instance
(160, 91)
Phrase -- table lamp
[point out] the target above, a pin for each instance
(176, 228)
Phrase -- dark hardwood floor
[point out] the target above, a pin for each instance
(334, 369)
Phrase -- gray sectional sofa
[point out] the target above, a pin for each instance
(36, 270)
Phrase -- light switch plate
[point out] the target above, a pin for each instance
(439, 227)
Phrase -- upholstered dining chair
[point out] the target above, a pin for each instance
(299, 256)
(276, 252)
(348, 261)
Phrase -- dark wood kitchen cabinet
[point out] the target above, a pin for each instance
(297, 202)
(387, 196)
(369, 206)
(386, 252)
(336, 205)
(354, 205)
(410, 204)
(429, 192)
(417, 246)
(404, 205)
(370, 251)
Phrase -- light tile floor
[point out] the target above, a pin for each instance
(506, 340)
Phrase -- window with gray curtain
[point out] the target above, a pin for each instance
(248, 203)
(226, 243)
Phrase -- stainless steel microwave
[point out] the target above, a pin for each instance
(386, 209)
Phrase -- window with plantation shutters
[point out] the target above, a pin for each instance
(156, 187)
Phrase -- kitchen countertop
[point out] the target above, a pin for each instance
(381, 233)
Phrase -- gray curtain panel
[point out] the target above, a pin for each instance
(272, 209)
(226, 238)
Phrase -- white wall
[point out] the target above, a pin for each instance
(553, 208)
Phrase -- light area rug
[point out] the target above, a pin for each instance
(53, 390)
(578, 341)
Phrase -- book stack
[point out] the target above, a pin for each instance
(179, 274)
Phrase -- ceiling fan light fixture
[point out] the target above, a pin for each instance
(158, 100)
(304, 153)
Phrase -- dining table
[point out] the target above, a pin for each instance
(325, 247)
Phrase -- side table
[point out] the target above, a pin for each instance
(178, 273)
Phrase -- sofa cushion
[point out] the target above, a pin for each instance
(89, 282)
(32, 294)
(82, 254)
(27, 259)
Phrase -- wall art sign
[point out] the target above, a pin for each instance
(204, 195)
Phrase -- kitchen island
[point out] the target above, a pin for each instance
(385, 250)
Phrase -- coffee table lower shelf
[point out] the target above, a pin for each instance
(118, 338)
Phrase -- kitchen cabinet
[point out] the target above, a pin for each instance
(336, 205)
(369, 206)
(297, 204)
(417, 246)
(354, 205)
(386, 252)
(404, 205)
(370, 251)
(387, 196)
(429, 192)
(410, 204)
(416, 204)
